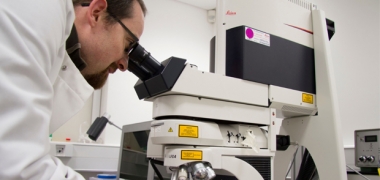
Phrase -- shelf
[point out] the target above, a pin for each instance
(89, 157)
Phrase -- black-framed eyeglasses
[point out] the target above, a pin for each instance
(135, 39)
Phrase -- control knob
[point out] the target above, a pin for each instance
(362, 159)
(370, 159)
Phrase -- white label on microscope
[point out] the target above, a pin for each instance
(157, 129)
(257, 36)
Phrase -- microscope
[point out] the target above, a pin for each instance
(270, 62)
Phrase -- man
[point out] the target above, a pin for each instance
(41, 88)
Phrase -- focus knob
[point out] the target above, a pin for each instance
(370, 159)
(362, 159)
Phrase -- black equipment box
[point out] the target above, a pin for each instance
(268, 59)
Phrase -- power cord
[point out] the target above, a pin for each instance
(291, 165)
(152, 163)
(358, 172)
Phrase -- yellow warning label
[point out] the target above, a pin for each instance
(188, 131)
(191, 155)
(170, 130)
(307, 98)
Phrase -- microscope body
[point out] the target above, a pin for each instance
(207, 117)
(210, 123)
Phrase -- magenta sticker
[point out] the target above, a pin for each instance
(249, 33)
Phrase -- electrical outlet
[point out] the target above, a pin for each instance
(60, 149)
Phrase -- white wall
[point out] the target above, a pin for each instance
(356, 54)
(71, 128)
(171, 29)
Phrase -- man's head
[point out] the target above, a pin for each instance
(104, 41)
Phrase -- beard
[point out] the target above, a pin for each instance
(98, 80)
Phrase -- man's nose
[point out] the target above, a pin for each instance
(122, 64)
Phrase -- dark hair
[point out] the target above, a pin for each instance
(119, 8)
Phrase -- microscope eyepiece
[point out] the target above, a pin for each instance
(154, 77)
(138, 71)
(142, 59)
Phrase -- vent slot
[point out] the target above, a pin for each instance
(303, 3)
(296, 110)
(261, 164)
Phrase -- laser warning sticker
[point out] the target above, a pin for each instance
(191, 155)
(307, 98)
(257, 36)
(188, 131)
(170, 130)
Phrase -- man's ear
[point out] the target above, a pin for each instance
(97, 9)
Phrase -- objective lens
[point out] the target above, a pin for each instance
(210, 173)
(199, 171)
(182, 173)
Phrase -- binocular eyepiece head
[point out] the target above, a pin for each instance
(143, 64)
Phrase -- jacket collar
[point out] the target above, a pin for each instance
(73, 49)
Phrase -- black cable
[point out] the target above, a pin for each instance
(171, 168)
(301, 172)
(152, 162)
(308, 168)
(157, 162)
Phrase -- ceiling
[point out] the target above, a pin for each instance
(204, 4)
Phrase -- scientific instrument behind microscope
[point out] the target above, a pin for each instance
(209, 124)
